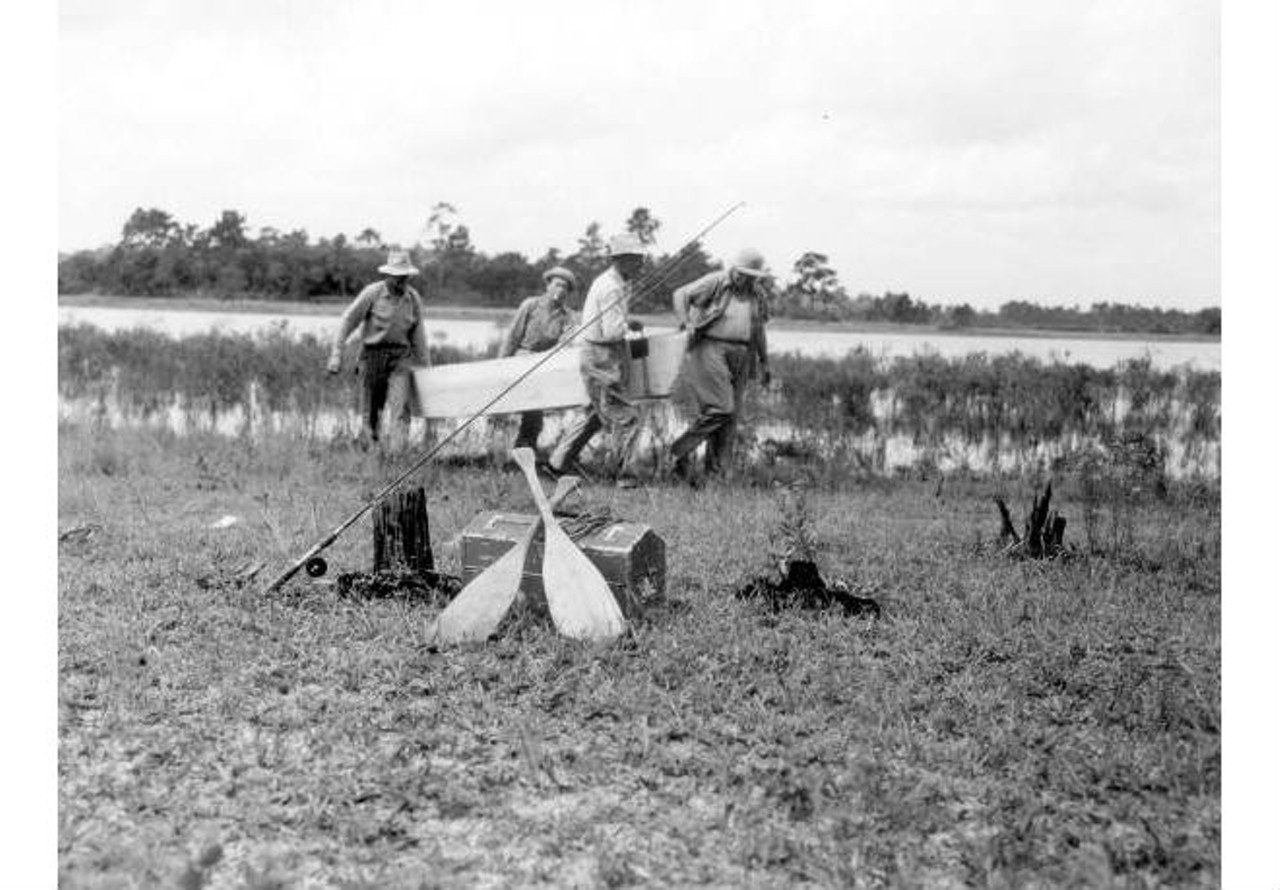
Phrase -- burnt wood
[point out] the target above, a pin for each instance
(1043, 531)
(402, 534)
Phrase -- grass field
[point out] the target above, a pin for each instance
(1006, 724)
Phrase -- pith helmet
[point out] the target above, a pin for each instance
(563, 274)
(750, 261)
(398, 263)
(626, 245)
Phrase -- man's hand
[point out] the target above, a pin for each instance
(334, 365)
(635, 325)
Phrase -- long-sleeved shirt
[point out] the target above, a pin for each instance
(610, 294)
(385, 319)
(711, 306)
(539, 324)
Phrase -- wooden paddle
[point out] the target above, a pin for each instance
(478, 609)
(581, 603)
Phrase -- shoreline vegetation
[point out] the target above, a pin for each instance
(334, 305)
(834, 419)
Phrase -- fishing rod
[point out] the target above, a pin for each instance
(395, 483)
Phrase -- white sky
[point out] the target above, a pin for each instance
(979, 150)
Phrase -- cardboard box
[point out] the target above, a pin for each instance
(631, 556)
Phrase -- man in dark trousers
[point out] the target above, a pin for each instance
(606, 366)
(393, 342)
(539, 324)
(725, 313)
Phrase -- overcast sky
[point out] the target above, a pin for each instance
(961, 150)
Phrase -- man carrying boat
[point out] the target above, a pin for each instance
(393, 342)
(606, 366)
(725, 313)
(539, 324)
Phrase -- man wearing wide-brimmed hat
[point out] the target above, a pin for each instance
(606, 365)
(724, 313)
(539, 324)
(393, 341)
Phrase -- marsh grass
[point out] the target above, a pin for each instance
(841, 413)
(1007, 724)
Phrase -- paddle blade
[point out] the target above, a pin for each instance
(579, 599)
(581, 603)
(479, 608)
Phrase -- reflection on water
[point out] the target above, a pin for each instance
(479, 334)
(873, 452)
(462, 333)
(1095, 353)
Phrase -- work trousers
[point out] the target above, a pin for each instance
(530, 421)
(716, 371)
(387, 375)
(606, 371)
(530, 430)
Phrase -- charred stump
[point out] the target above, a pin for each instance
(802, 587)
(402, 534)
(1043, 532)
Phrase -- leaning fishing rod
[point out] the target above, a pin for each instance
(325, 542)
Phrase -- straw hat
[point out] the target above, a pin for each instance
(563, 274)
(626, 245)
(750, 261)
(398, 263)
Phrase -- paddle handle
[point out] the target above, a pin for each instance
(524, 458)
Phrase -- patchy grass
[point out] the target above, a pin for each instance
(1007, 724)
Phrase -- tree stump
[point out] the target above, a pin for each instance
(1043, 532)
(402, 535)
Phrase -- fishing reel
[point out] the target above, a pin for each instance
(316, 567)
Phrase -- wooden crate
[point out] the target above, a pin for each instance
(631, 556)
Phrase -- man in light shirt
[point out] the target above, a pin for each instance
(606, 366)
(539, 324)
(725, 313)
(393, 342)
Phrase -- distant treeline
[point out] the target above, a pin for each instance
(158, 256)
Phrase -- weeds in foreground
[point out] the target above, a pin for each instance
(1007, 724)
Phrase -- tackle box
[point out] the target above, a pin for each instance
(631, 557)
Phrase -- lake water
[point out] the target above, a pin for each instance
(479, 333)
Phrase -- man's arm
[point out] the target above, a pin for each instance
(571, 322)
(613, 321)
(758, 338)
(696, 293)
(350, 320)
(418, 335)
(515, 333)
(761, 344)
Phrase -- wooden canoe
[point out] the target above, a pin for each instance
(463, 389)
